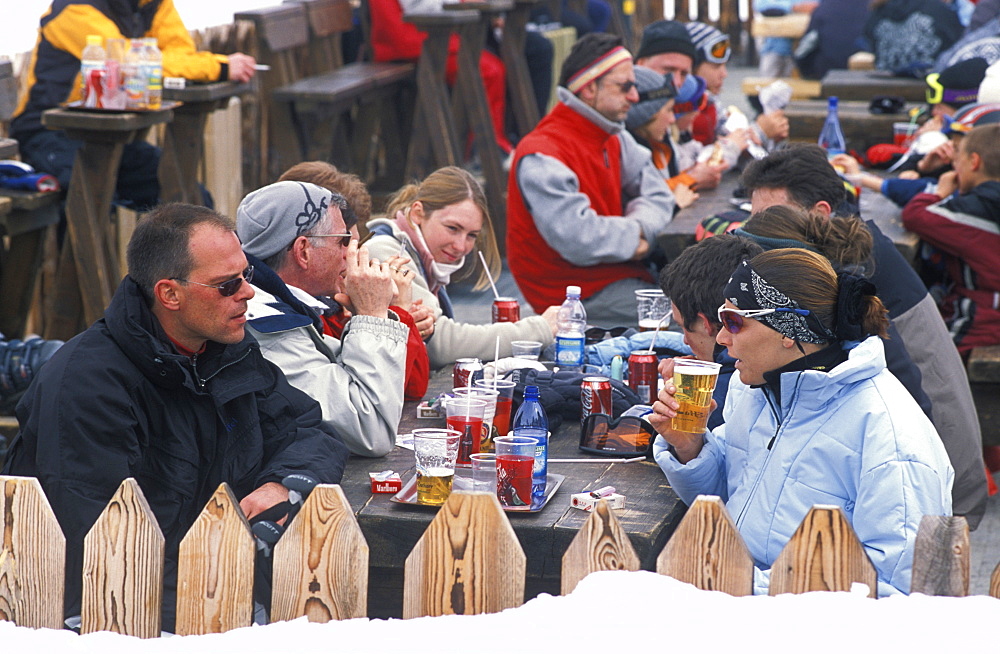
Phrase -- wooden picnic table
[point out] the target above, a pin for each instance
(184, 139)
(874, 206)
(861, 128)
(8, 148)
(88, 267)
(866, 84)
(652, 510)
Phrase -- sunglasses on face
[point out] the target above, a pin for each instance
(345, 239)
(227, 288)
(629, 435)
(597, 334)
(719, 52)
(732, 319)
(624, 86)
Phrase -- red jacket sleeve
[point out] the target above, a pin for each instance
(418, 365)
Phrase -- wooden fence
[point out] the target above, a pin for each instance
(467, 562)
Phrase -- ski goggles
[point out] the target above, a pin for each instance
(627, 436)
(718, 52)
(732, 319)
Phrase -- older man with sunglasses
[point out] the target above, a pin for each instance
(167, 388)
(303, 255)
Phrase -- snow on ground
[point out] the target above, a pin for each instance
(609, 612)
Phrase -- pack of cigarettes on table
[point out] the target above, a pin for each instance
(587, 501)
(386, 481)
(434, 407)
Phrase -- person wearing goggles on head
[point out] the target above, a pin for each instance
(813, 417)
(712, 53)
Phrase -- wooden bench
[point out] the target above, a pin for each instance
(984, 378)
(315, 107)
(866, 84)
(24, 218)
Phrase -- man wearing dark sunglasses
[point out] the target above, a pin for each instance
(295, 235)
(694, 282)
(169, 389)
(585, 200)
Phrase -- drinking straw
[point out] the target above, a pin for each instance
(632, 460)
(488, 275)
(496, 357)
(657, 331)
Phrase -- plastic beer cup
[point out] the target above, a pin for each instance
(505, 402)
(490, 396)
(435, 451)
(515, 461)
(652, 306)
(695, 382)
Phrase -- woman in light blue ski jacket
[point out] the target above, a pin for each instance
(813, 417)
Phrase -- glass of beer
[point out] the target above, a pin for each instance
(435, 451)
(652, 306)
(695, 381)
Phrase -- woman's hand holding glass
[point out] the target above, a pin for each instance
(686, 445)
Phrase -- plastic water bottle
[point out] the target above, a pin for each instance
(153, 63)
(831, 137)
(135, 75)
(92, 58)
(571, 322)
(531, 421)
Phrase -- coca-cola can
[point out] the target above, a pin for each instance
(642, 377)
(595, 397)
(467, 371)
(506, 309)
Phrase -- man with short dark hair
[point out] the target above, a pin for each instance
(694, 282)
(168, 388)
(800, 176)
(585, 201)
(295, 236)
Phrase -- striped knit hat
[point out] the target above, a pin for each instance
(705, 38)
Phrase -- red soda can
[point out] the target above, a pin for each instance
(506, 309)
(595, 397)
(642, 379)
(467, 371)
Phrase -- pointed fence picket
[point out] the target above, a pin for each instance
(321, 562)
(468, 561)
(601, 544)
(123, 568)
(822, 554)
(707, 551)
(214, 591)
(941, 557)
(32, 556)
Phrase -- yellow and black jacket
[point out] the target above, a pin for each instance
(55, 63)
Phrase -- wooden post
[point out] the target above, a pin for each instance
(123, 567)
(321, 563)
(215, 569)
(601, 544)
(32, 556)
(822, 554)
(707, 550)
(995, 583)
(468, 561)
(941, 557)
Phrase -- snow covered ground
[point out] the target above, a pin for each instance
(609, 612)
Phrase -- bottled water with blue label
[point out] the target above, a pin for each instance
(571, 323)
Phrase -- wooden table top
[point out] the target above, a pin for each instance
(652, 509)
(210, 92)
(866, 84)
(101, 121)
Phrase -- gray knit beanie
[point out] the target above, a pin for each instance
(270, 218)
(655, 90)
(665, 36)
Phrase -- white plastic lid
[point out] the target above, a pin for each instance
(94, 39)
(572, 290)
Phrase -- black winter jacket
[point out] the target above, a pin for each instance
(117, 401)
